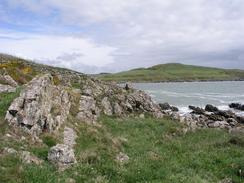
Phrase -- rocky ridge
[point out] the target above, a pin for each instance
(210, 117)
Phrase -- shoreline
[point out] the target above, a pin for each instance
(186, 81)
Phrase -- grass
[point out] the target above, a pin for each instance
(174, 72)
(158, 152)
(5, 101)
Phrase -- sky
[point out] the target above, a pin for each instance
(94, 36)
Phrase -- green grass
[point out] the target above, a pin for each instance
(5, 101)
(174, 72)
(158, 152)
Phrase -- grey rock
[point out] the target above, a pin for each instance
(122, 158)
(117, 110)
(107, 108)
(62, 156)
(8, 79)
(69, 137)
(7, 89)
(41, 106)
(88, 111)
(9, 150)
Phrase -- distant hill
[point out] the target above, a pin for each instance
(174, 72)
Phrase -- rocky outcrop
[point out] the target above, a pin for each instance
(41, 106)
(7, 89)
(211, 117)
(237, 106)
(98, 97)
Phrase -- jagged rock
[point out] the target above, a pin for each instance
(197, 110)
(211, 108)
(107, 108)
(62, 156)
(7, 89)
(237, 106)
(122, 158)
(28, 158)
(117, 110)
(225, 114)
(41, 106)
(8, 80)
(88, 111)
(69, 137)
(165, 106)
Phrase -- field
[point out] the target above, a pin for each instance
(158, 151)
(174, 72)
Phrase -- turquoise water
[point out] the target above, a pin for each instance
(199, 94)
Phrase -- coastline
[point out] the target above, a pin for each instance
(175, 81)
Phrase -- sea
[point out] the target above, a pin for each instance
(183, 94)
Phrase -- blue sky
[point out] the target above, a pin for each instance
(94, 36)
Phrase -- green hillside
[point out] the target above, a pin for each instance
(174, 72)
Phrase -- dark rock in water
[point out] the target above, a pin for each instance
(211, 108)
(175, 109)
(197, 110)
(165, 106)
(237, 106)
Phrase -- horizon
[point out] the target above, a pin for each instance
(113, 36)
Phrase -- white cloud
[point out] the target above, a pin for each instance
(57, 50)
(152, 31)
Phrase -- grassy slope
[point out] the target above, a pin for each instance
(174, 72)
(158, 151)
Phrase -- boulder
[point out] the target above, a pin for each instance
(237, 106)
(62, 156)
(211, 108)
(164, 106)
(7, 89)
(197, 110)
